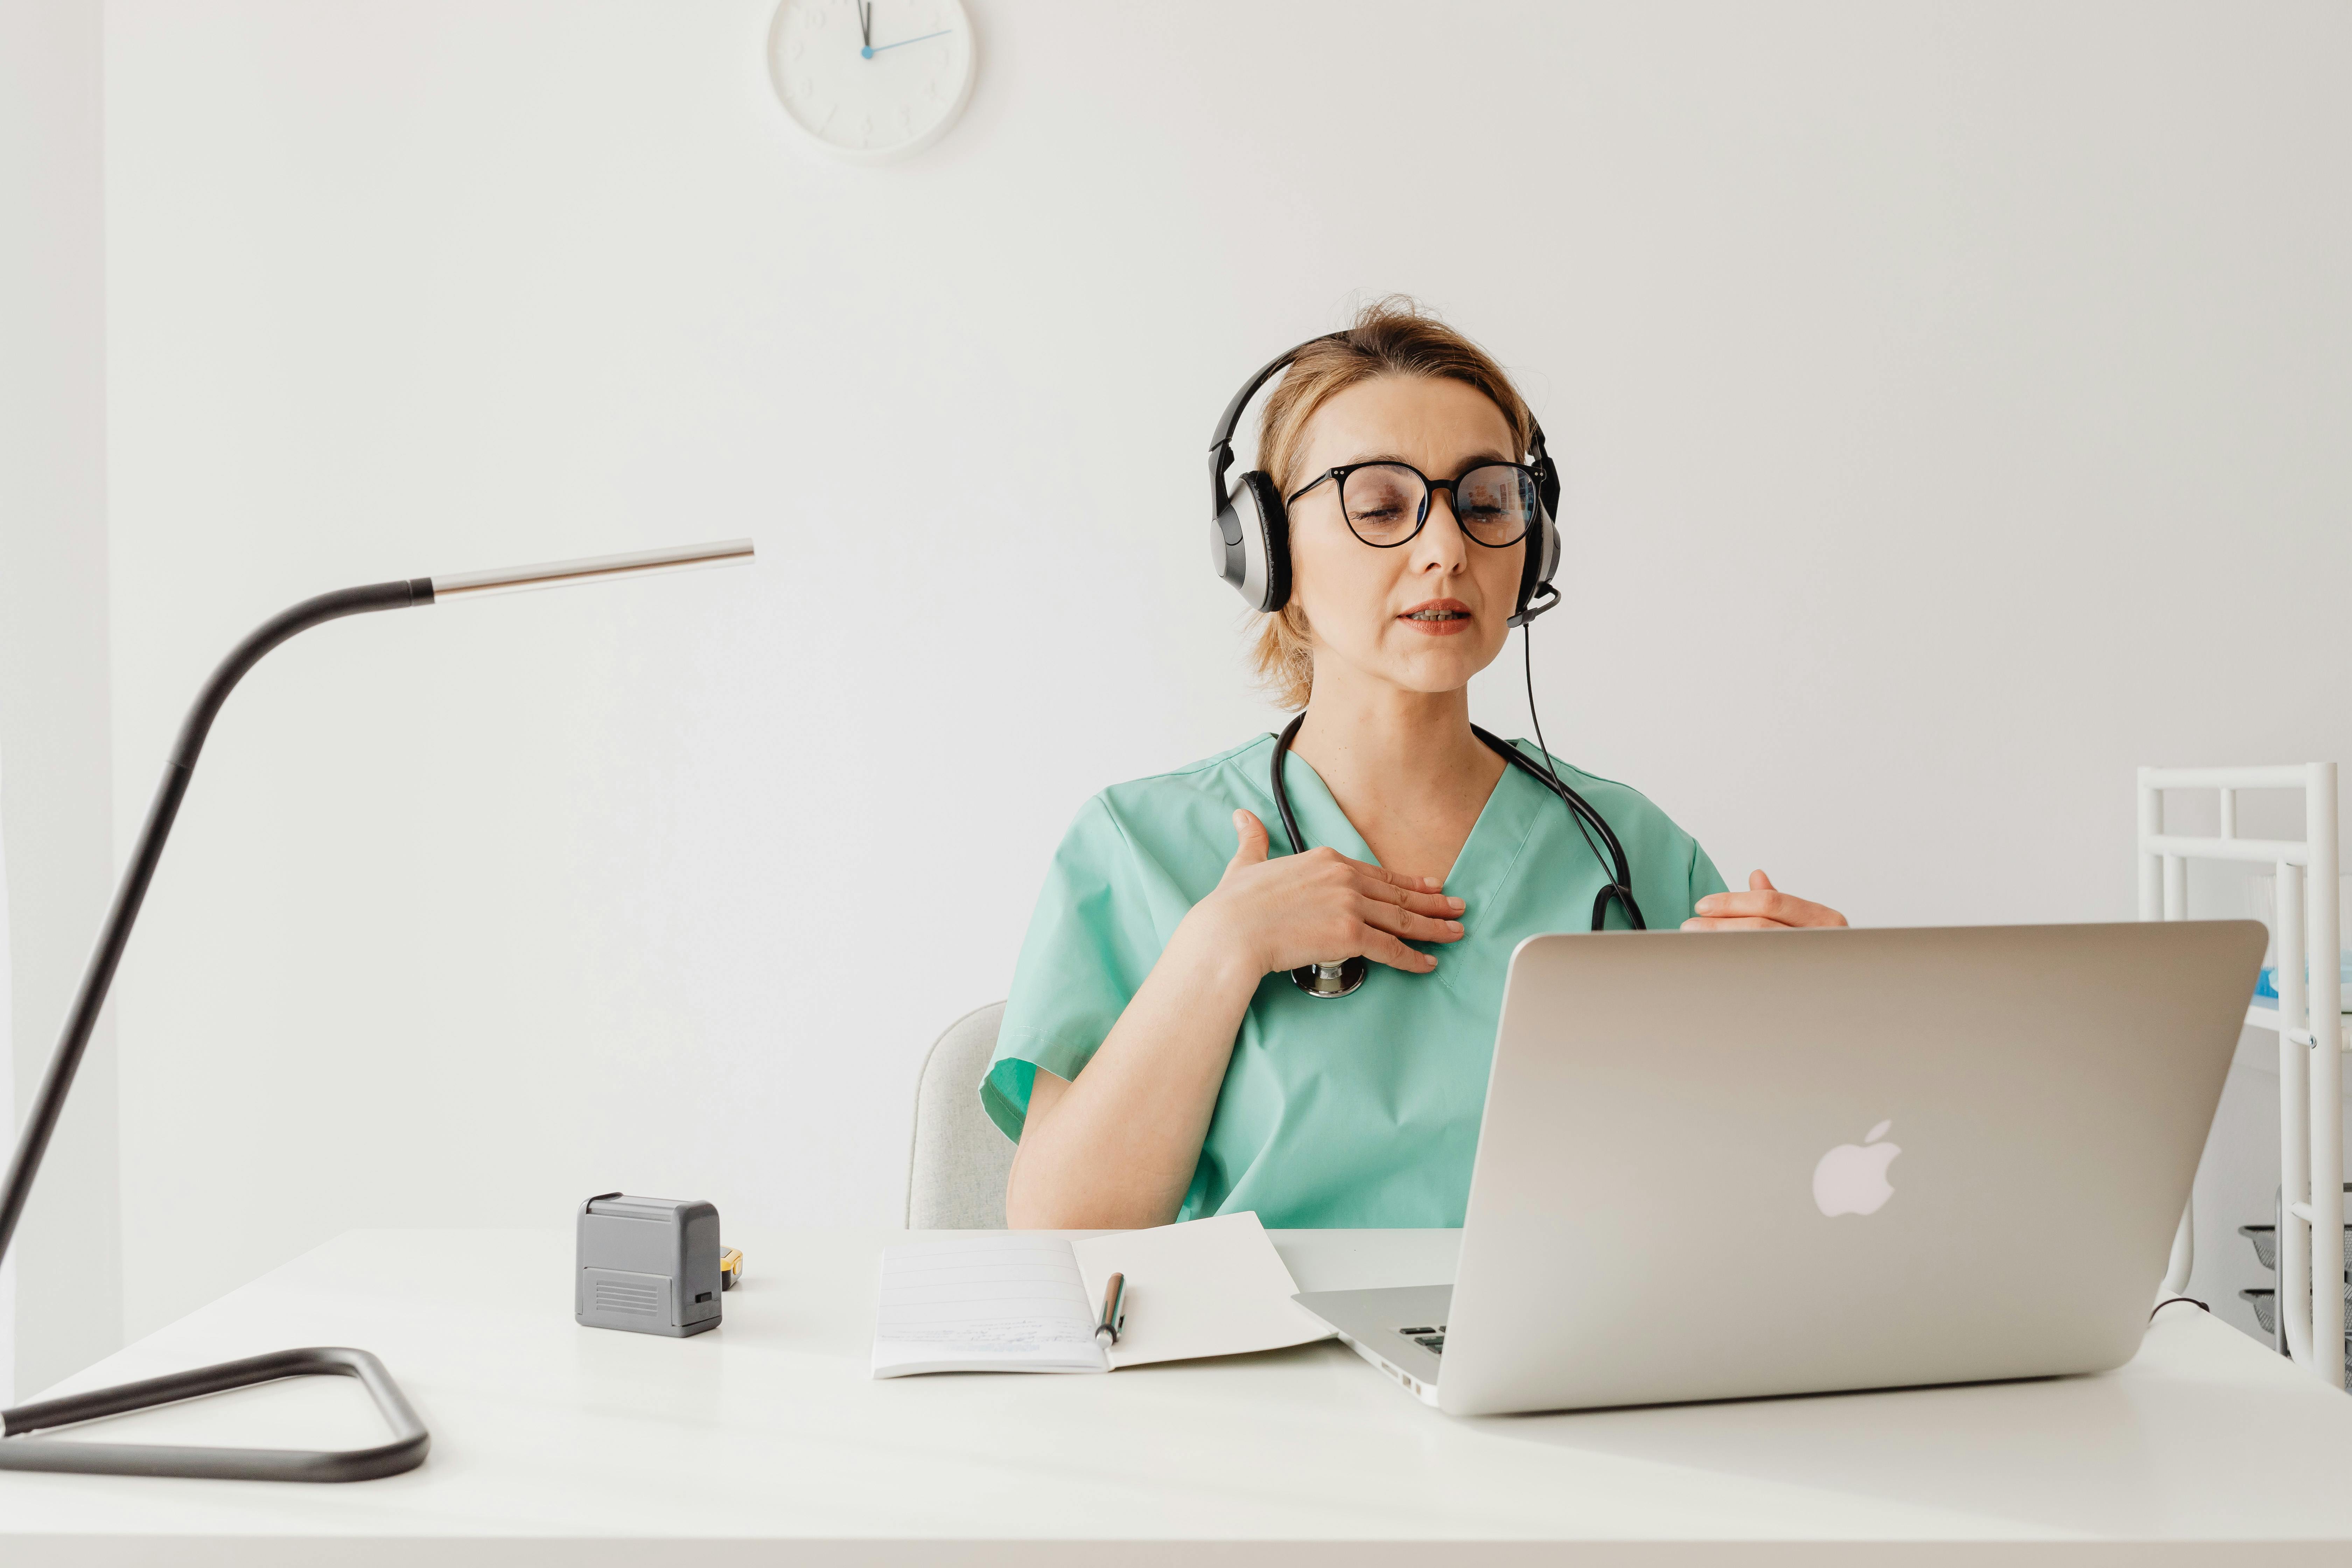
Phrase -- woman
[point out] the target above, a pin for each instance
(1155, 1060)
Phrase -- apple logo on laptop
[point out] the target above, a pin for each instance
(1852, 1177)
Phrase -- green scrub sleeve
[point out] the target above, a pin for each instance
(1091, 942)
(1704, 880)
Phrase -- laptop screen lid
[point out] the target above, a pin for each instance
(1724, 1164)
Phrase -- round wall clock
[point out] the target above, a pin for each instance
(868, 80)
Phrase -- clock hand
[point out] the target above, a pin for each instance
(865, 26)
(871, 50)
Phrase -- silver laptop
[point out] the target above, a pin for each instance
(1722, 1165)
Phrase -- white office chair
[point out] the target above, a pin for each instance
(958, 1162)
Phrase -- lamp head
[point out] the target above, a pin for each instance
(593, 569)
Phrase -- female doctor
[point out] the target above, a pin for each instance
(1155, 1060)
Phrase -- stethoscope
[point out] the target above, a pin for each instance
(1344, 977)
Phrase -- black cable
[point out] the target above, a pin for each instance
(1543, 750)
(2174, 1301)
(1579, 810)
(1575, 803)
(1546, 756)
(1528, 670)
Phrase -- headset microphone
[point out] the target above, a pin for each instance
(1249, 547)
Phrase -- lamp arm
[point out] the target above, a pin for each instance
(409, 1440)
(99, 976)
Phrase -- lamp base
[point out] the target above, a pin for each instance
(404, 1452)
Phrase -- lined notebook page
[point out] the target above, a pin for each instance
(1007, 1303)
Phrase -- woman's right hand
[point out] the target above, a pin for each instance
(1318, 908)
(1116, 1146)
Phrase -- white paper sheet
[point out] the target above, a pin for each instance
(1205, 1288)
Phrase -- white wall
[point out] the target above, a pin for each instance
(54, 788)
(1952, 399)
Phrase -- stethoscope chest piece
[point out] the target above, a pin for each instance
(1341, 979)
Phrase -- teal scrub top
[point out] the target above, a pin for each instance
(1361, 1111)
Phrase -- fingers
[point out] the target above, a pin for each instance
(1436, 905)
(1386, 917)
(1773, 908)
(1359, 908)
(1762, 907)
(1395, 879)
(1382, 948)
(1251, 850)
(1419, 894)
(1777, 907)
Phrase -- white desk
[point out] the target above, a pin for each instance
(766, 1441)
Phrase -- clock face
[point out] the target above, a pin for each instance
(870, 79)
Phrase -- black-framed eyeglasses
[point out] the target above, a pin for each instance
(1386, 503)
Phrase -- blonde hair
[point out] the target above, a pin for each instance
(1390, 336)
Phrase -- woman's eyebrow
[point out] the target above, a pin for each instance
(1466, 464)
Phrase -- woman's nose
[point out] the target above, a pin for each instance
(1441, 542)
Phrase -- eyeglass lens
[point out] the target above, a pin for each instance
(1386, 503)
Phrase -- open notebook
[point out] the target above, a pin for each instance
(1023, 1301)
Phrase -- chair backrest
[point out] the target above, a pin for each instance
(958, 1164)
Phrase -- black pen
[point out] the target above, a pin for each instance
(1114, 1313)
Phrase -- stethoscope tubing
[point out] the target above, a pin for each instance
(1623, 887)
(1325, 980)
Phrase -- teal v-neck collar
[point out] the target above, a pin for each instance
(1480, 869)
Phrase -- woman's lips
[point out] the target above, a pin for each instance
(1438, 617)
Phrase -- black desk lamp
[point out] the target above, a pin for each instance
(409, 1440)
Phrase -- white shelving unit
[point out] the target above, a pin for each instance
(2308, 1021)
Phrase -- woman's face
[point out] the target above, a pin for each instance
(1427, 615)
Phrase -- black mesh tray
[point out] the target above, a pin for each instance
(2266, 1306)
(2265, 1240)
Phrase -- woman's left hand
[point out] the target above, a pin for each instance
(1762, 907)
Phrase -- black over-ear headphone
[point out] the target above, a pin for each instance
(1249, 545)
(1249, 527)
